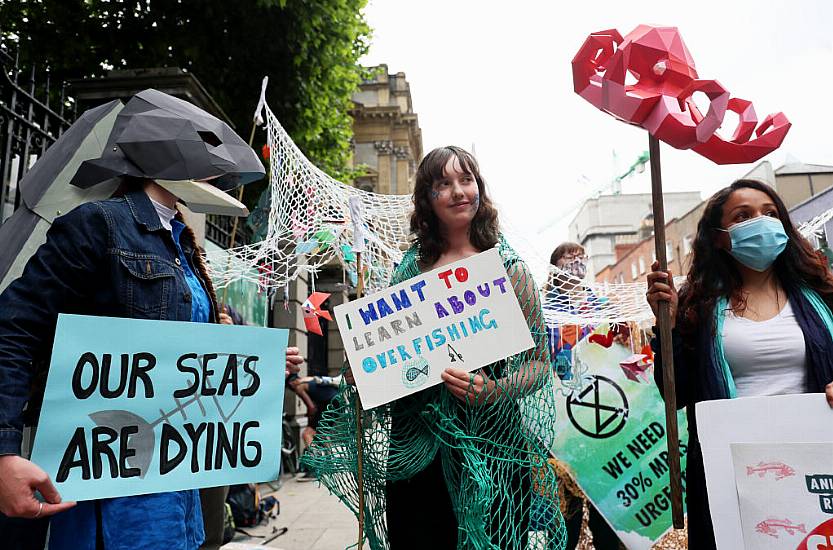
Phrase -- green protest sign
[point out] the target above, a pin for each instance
(611, 433)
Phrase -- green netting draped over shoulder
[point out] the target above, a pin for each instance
(493, 454)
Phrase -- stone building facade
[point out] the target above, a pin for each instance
(807, 191)
(387, 139)
(608, 222)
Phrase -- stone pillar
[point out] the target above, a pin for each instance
(403, 182)
(293, 319)
(384, 166)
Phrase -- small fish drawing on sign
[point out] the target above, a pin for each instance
(771, 526)
(415, 373)
(780, 470)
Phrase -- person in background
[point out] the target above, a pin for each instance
(565, 293)
(230, 316)
(753, 318)
(316, 392)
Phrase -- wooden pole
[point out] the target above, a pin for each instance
(667, 350)
(359, 429)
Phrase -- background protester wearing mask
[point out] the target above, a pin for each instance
(753, 318)
(565, 293)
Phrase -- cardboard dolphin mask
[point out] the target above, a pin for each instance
(158, 136)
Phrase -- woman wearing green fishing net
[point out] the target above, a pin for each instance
(462, 464)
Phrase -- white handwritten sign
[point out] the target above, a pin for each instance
(463, 315)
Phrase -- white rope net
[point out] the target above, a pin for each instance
(309, 227)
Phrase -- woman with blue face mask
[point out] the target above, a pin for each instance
(753, 318)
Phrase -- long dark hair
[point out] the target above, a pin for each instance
(714, 273)
(425, 226)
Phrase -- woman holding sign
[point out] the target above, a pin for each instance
(456, 465)
(753, 318)
(131, 256)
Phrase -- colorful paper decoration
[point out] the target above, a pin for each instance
(325, 238)
(660, 100)
(306, 247)
(603, 335)
(347, 253)
(637, 366)
(312, 311)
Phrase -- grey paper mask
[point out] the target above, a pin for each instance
(158, 136)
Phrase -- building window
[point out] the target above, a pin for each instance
(641, 265)
(669, 251)
(687, 242)
(633, 271)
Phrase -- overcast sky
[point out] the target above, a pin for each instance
(497, 76)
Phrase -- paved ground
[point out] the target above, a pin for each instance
(315, 518)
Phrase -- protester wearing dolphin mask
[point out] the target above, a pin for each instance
(129, 256)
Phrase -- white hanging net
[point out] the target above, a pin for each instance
(309, 227)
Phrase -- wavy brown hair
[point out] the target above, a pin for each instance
(714, 273)
(425, 226)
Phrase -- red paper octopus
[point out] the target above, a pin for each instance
(660, 100)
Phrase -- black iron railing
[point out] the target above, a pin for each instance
(33, 115)
(218, 229)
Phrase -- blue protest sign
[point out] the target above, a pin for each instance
(135, 406)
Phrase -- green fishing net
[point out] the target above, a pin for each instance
(493, 453)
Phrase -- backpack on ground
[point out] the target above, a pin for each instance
(244, 500)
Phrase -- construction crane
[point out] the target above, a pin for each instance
(616, 184)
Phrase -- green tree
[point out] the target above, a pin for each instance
(308, 48)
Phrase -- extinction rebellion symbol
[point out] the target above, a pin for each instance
(600, 410)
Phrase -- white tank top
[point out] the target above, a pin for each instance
(765, 357)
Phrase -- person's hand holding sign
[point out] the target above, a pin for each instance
(293, 360)
(474, 389)
(19, 479)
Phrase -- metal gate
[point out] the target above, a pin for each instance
(32, 117)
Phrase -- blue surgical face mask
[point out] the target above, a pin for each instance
(756, 243)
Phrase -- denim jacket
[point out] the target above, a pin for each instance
(108, 258)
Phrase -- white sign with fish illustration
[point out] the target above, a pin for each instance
(785, 490)
(769, 471)
(464, 315)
